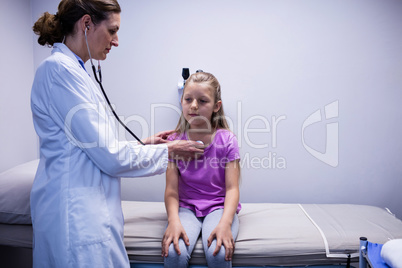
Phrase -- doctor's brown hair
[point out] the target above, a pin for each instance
(53, 28)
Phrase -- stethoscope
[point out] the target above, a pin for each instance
(99, 80)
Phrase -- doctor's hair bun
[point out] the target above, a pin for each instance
(48, 28)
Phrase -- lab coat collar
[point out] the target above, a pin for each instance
(60, 47)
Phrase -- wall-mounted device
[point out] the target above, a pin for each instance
(180, 86)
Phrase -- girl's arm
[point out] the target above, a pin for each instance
(222, 232)
(174, 229)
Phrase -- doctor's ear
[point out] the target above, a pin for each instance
(85, 21)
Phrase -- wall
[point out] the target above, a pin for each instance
(311, 88)
(18, 139)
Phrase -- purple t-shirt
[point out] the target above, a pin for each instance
(202, 181)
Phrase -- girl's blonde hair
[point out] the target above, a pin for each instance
(218, 119)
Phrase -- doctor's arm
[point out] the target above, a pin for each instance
(88, 125)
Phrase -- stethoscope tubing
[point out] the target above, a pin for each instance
(99, 80)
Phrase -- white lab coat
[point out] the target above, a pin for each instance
(76, 197)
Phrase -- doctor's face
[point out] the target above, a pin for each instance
(105, 36)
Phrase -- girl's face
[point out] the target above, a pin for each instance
(198, 104)
(104, 36)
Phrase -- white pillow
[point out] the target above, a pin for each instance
(391, 253)
(15, 189)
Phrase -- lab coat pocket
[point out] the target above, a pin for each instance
(88, 218)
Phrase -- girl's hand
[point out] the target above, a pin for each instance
(223, 235)
(173, 232)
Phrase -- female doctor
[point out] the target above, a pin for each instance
(75, 199)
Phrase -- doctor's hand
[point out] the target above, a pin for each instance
(173, 232)
(185, 150)
(158, 138)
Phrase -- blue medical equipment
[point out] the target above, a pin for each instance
(370, 254)
(99, 80)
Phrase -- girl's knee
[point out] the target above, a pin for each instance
(174, 259)
(219, 259)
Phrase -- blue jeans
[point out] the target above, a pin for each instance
(193, 226)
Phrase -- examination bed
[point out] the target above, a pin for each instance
(270, 234)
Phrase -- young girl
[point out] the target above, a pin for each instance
(202, 195)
